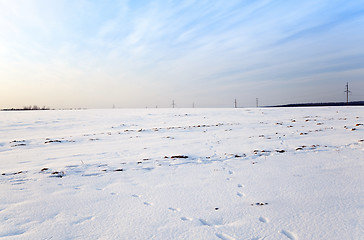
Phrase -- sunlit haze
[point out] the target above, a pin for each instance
(132, 54)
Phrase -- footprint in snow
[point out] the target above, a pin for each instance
(186, 219)
(84, 219)
(240, 194)
(174, 209)
(204, 222)
(289, 234)
(148, 204)
(136, 196)
(240, 185)
(264, 220)
(224, 236)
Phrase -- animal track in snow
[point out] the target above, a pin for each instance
(289, 234)
(240, 194)
(224, 236)
(186, 219)
(174, 209)
(204, 222)
(264, 220)
(84, 219)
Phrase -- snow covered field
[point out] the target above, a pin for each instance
(284, 173)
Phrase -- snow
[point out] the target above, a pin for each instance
(264, 173)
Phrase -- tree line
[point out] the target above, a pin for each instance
(27, 108)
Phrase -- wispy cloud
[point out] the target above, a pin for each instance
(132, 53)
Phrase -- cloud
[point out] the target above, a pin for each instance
(164, 49)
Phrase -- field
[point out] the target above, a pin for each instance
(263, 173)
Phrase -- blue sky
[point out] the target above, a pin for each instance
(95, 54)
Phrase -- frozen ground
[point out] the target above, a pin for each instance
(288, 173)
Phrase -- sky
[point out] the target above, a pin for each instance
(137, 54)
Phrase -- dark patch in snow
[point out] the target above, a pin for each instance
(179, 156)
(52, 141)
(259, 204)
(58, 174)
(18, 145)
(17, 141)
(14, 173)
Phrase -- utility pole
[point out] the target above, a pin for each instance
(193, 105)
(257, 102)
(347, 93)
(235, 103)
(173, 104)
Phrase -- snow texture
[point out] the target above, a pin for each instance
(275, 173)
